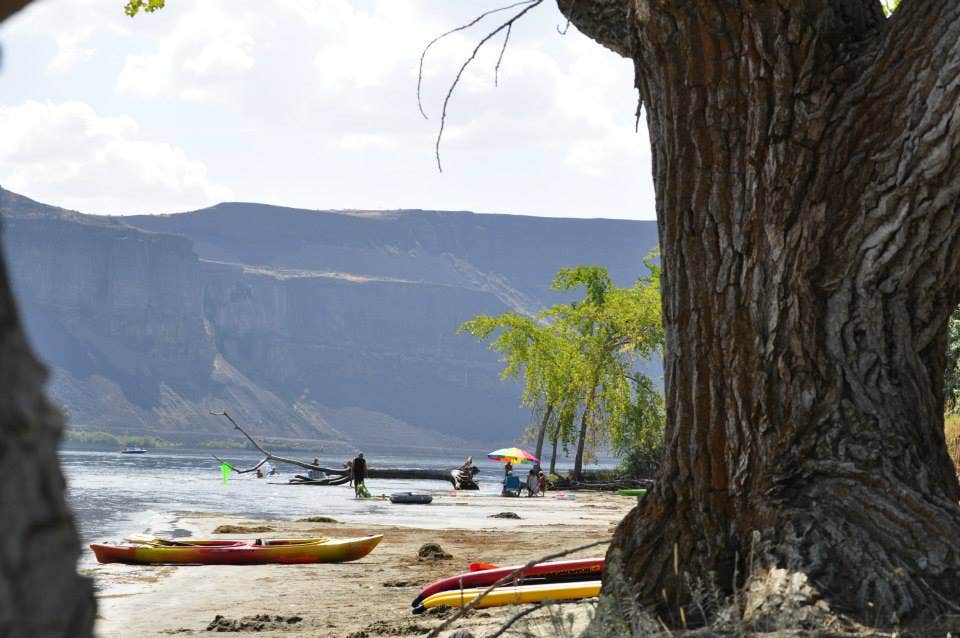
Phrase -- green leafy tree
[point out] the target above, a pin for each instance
(613, 327)
(576, 358)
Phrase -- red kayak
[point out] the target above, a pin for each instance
(557, 571)
(158, 551)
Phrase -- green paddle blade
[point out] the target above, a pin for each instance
(225, 470)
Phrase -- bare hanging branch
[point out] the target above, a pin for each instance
(503, 49)
(508, 578)
(566, 27)
(507, 25)
(462, 27)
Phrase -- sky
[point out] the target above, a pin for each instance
(312, 104)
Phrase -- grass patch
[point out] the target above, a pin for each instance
(951, 429)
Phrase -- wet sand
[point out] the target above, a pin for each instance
(366, 598)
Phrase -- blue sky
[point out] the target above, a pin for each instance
(311, 103)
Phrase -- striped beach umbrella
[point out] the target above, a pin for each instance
(512, 454)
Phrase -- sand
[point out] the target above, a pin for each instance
(362, 599)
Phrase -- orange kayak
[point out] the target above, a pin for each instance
(237, 552)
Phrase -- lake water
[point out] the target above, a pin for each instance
(114, 495)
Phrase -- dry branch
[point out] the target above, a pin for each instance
(526, 612)
(508, 578)
(461, 477)
(506, 25)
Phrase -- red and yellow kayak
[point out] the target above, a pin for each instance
(237, 552)
(512, 595)
(556, 571)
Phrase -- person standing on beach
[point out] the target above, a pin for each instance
(508, 469)
(359, 472)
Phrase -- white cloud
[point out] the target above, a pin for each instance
(366, 141)
(68, 151)
(197, 58)
(299, 101)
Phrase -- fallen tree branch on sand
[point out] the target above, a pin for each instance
(462, 478)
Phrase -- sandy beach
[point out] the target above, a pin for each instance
(366, 598)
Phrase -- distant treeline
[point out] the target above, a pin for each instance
(87, 438)
(107, 440)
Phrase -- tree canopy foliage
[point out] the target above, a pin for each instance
(133, 7)
(578, 359)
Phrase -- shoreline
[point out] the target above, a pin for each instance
(364, 598)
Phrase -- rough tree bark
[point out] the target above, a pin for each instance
(806, 165)
(41, 594)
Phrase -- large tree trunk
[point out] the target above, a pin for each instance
(807, 175)
(41, 594)
(543, 429)
(584, 423)
(553, 454)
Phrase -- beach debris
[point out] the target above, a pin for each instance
(505, 515)
(399, 583)
(461, 478)
(317, 519)
(242, 529)
(259, 622)
(461, 633)
(432, 551)
(384, 628)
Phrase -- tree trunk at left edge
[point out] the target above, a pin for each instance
(41, 594)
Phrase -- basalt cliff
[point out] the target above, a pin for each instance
(337, 327)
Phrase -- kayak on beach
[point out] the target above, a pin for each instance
(236, 552)
(640, 491)
(512, 595)
(556, 571)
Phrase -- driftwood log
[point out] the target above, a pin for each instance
(462, 478)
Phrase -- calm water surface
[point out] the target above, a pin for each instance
(114, 495)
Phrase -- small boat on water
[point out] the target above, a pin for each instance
(236, 552)
(133, 450)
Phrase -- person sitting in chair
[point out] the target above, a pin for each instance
(533, 482)
(511, 485)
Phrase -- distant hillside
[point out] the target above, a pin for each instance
(336, 326)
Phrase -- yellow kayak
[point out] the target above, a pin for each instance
(513, 595)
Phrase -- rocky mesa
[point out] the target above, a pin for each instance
(335, 327)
